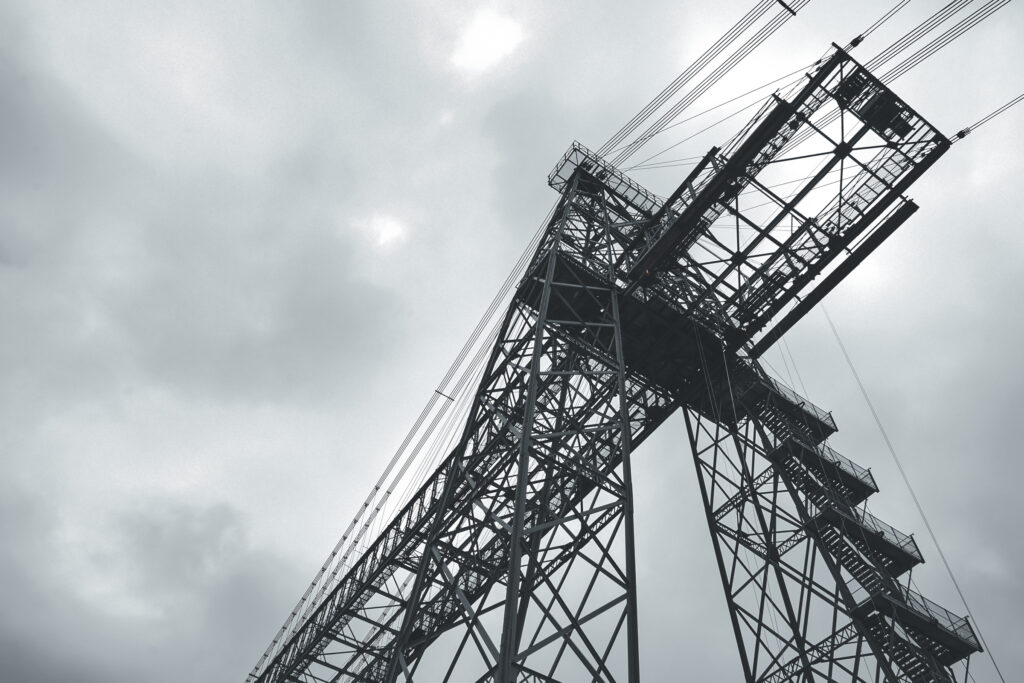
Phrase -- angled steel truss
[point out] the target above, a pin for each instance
(515, 561)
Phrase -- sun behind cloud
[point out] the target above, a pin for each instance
(486, 40)
(384, 230)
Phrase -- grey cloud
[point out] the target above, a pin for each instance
(256, 305)
(196, 280)
(193, 565)
(228, 279)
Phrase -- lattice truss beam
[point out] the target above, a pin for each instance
(555, 490)
(514, 562)
(755, 223)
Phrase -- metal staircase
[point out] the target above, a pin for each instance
(920, 636)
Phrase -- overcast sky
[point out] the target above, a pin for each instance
(240, 242)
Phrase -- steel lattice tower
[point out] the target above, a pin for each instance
(515, 561)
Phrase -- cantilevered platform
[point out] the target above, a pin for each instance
(854, 481)
(950, 637)
(899, 551)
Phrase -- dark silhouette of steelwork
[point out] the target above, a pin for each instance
(515, 561)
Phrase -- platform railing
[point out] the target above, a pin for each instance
(926, 609)
(950, 621)
(829, 454)
(799, 401)
(892, 534)
(899, 539)
(578, 156)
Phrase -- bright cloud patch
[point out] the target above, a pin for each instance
(487, 39)
(384, 229)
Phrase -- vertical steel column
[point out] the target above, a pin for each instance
(632, 617)
(396, 663)
(510, 631)
(716, 543)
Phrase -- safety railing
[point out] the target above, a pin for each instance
(893, 535)
(841, 461)
(950, 621)
(926, 610)
(618, 182)
(800, 402)
(901, 540)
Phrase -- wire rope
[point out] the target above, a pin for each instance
(751, 105)
(730, 36)
(878, 23)
(722, 104)
(910, 488)
(662, 124)
(945, 39)
(910, 38)
(339, 557)
(985, 119)
(711, 79)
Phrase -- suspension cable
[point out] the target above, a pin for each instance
(985, 119)
(904, 42)
(714, 77)
(340, 555)
(798, 72)
(706, 58)
(656, 129)
(878, 23)
(906, 480)
(945, 39)
(915, 34)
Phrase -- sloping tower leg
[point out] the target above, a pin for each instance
(801, 564)
(548, 510)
